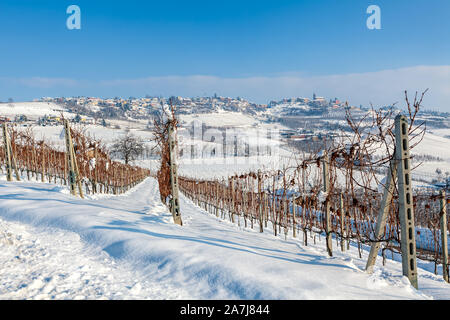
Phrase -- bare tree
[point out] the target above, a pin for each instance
(128, 147)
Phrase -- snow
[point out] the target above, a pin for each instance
(224, 118)
(434, 145)
(56, 246)
(39, 264)
(127, 246)
(322, 196)
(32, 110)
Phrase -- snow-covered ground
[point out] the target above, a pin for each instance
(223, 118)
(52, 263)
(33, 110)
(226, 118)
(56, 246)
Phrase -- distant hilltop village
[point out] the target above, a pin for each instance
(141, 108)
(94, 110)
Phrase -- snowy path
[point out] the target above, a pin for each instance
(206, 258)
(38, 264)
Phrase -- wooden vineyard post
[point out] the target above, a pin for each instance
(273, 208)
(122, 181)
(444, 244)
(14, 163)
(35, 167)
(303, 195)
(174, 201)
(285, 216)
(382, 215)
(7, 152)
(244, 205)
(65, 169)
(260, 204)
(43, 163)
(231, 184)
(405, 198)
(10, 159)
(72, 162)
(342, 221)
(326, 189)
(77, 171)
(294, 224)
(94, 185)
(265, 208)
(217, 198)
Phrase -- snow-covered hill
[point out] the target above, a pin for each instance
(435, 142)
(32, 110)
(143, 253)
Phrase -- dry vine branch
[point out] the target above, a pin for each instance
(161, 122)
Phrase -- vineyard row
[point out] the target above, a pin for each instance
(97, 172)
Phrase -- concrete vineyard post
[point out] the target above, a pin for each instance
(260, 203)
(400, 168)
(405, 198)
(382, 215)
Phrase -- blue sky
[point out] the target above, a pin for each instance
(133, 48)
